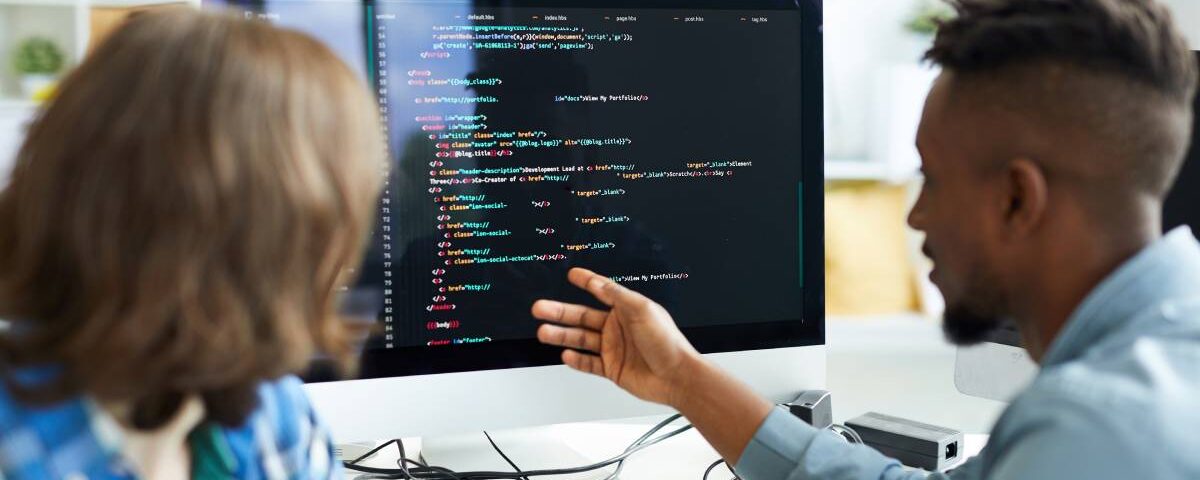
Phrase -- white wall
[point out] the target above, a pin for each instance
(864, 40)
(13, 120)
(1187, 14)
(861, 38)
(20, 22)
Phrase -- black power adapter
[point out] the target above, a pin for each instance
(915, 444)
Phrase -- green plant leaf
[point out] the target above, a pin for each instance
(926, 15)
(38, 55)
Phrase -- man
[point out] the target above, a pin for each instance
(1048, 144)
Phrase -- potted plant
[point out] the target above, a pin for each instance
(37, 61)
(926, 16)
(923, 23)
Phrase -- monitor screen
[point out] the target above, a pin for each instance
(675, 149)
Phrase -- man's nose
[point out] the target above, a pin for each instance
(916, 218)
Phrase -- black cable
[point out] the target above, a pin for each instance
(621, 465)
(417, 474)
(717, 463)
(422, 472)
(433, 468)
(372, 452)
(404, 457)
(425, 467)
(565, 471)
(847, 433)
(428, 473)
(710, 468)
(502, 455)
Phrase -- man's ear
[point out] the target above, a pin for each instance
(1027, 197)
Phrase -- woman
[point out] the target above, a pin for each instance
(176, 225)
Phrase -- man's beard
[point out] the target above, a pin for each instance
(979, 312)
(964, 325)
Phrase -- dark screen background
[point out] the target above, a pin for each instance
(714, 92)
(1183, 205)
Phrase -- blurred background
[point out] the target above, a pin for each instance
(878, 300)
(875, 85)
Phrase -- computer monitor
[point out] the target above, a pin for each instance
(997, 369)
(673, 145)
(1000, 368)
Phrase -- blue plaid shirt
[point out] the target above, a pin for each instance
(282, 439)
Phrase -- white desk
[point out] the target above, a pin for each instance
(684, 457)
(894, 365)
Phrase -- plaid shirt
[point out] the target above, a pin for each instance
(283, 439)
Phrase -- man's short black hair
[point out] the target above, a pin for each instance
(1117, 71)
(1133, 38)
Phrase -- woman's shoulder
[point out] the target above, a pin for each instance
(54, 441)
(283, 438)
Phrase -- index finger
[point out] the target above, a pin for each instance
(605, 290)
(568, 314)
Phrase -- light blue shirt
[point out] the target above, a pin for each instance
(1118, 394)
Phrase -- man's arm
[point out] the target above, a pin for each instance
(637, 345)
(787, 448)
(724, 410)
(766, 443)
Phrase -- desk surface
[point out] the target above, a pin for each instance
(897, 365)
(682, 457)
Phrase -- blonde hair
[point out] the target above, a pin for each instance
(180, 216)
